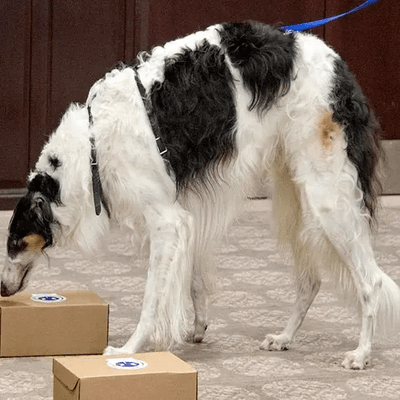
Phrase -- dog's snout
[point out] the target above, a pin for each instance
(4, 290)
(15, 276)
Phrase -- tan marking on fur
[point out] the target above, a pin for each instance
(34, 242)
(328, 130)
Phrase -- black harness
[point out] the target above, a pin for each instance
(98, 194)
(152, 118)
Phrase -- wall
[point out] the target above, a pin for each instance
(54, 50)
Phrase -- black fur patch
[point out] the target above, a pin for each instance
(351, 110)
(195, 110)
(265, 57)
(55, 162)
(47, 186)
(33, 214)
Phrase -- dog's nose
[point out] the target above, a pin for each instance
(4, 290)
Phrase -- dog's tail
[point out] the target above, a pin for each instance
(387, 292)
(388, 308)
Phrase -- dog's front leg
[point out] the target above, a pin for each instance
(167, 294)
(146, 323)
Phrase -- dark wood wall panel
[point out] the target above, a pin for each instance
(170, 19)
(131, 15)
(14, 99)
(73, 45)
(40, 82)
(369, 41)
(52, 51)
(141, 25)
(88, 38)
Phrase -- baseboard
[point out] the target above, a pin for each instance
(391, 182)
(10, 197)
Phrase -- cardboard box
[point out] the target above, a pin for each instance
(147, 376)
(74, 322)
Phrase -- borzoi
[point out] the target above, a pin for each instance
(173, 145)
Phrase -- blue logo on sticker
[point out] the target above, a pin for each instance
(48, 298)
(127, 363)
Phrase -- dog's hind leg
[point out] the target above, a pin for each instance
(333, 212)
(288, 217)
(307, 288)
(336, 225)
(167, 293)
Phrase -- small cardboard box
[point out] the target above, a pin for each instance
(147, 376)
(67, 323)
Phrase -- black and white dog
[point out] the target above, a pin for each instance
(173, 145)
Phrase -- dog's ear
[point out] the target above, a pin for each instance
(45, 186)
(40, 207)
(42, 217)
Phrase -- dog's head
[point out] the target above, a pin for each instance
(31, 230)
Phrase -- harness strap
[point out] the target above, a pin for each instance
(98, 194)
(152, 118)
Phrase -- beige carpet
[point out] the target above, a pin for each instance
(254, 298)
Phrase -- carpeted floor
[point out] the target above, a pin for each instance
(254, 297)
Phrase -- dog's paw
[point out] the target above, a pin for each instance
(112, 351)
(356, 359)
(275, 342)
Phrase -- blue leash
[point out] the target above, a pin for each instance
(313, 24)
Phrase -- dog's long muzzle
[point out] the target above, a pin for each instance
(14, 277)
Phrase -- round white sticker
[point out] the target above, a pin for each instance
(126, 363)
(48, 298)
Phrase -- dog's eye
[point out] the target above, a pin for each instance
(21, 245)
(15, 246)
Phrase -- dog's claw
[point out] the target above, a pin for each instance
(275, 342)
(356, 360)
